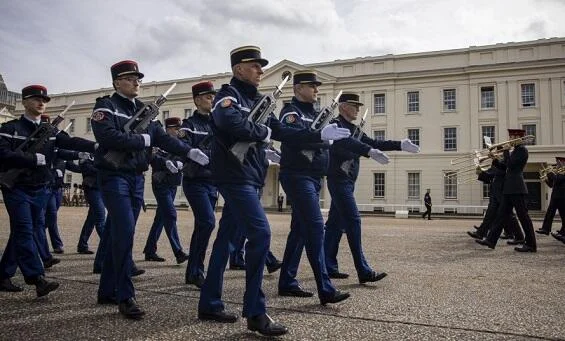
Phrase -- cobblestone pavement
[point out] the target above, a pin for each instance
(441, 285)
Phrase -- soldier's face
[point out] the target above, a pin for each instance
(35, 106)
(250, 72)
(128, 86)
(307, 92)
(173, 131)
(204, 103)
(349, 111)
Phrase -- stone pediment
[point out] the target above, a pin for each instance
(273, 75)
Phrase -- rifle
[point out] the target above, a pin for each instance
(324, 117)
(190, 167)
(357, 134)
(138, 124)
(33, 144)
(258, 115)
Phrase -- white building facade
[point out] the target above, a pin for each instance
(446, 101)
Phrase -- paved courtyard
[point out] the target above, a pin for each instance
(441, 285)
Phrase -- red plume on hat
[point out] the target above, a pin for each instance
(203, 88)
(35, 91)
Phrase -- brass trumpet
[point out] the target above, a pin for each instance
(507, 145)
(550, 169)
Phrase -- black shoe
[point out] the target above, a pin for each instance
(181, 257)
(137, 272)
(237, 267)
(50, 262)
(85, 251)
(338, 275)
(295, 292)
(476, 227)
(154, 258)
(558, 236)
(130, 309)
(515, 241)
(525, 248)
(506, 236)
(198, 282)
(265, 325)
(43, 287)
(218, 316)
(58, 250)
(338, 296)
(274, 267)
(542, 231)
(485, 242)
(7, 285)
(107, 300)
(474, 234)
(373, 276)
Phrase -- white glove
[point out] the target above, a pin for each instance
(268, 138)
(197, 156)
(272, 156)
(83, 155)
(333, 132)
(147, 139)
(171, 167)
(40, 159)
(59, 173)
(180, 165)
(407, 146)
(378, 156)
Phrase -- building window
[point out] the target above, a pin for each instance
(318, 105)
(165, 115)
(450, 185)
(487, 131)
(414, 136)
(187, 113)
(487, 97)
(379, 135)
(379, 103)
(413, 185)
(88, 125)
(449, 139)
(528, 95)
(72, 127)
(413, 101)
(530, 130)
(379, 185)
(449, 100)
(486, 191)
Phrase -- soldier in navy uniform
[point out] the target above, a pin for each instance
(240, 184)
(198, 187)
(165, 178)
(96, 211)
(27, 199)
(558, 197)
(514, 196)
(122, 184)
(342, 174)
(428, 204)
(555, 199)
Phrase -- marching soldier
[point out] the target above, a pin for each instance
(201, 193)
(428, 204)
(558, 196)
(555, 199)
(342, 174)
(122, 184)
(26, 200)
(240, 184)
(302, 167)
(165, 178)
(514, 194)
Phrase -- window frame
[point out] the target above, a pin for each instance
(481, 107)
(383, 94)
(419, 135)
(443, 100)
(448, 184)
(419, 188)
(493, 138)
(375, 196)
(375, 134)
(444, 140)
(534, 95)
(417, 103)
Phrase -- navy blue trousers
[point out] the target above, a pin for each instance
(25, 208)
(165, 216)
(306, 230)
(53, 204)
(123, 196)
(243, 206)
(202, 198)
(95, 217)
(344, 216)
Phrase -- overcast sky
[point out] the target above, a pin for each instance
(69, 45)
